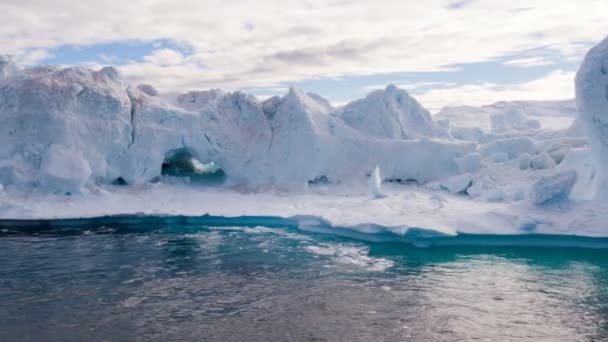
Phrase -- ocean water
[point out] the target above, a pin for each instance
(162, 281)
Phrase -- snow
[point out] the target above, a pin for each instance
(377, 168)
(553, 188)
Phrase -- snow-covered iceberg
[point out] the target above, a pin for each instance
(379, 165)
(66, 128)
(592, 100)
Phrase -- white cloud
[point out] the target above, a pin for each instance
(303, 39)
(409, 86)
(557, 85)
(165, 57)
(529, 62)
(34, 56)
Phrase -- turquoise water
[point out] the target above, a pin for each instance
(162, 281)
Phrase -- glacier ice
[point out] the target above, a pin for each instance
(391, 114)
(124, 133)
(512, 147)
(542, 161)
(513, 119)
(65, 168)
(553, 187)
(375, 182)
(457, 184)
(592, 100)
(75, 130)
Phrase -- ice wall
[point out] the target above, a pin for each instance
(592, 101)
(64, 128)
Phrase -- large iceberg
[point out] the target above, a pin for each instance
(511, 168)
(104, 130)
(592, 100)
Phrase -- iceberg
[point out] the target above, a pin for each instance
(84, 143)
(592, 101)
(126, 133)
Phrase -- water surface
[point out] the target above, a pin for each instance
(174, 282)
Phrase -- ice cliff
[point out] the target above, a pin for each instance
(65, 128)
(592, 101)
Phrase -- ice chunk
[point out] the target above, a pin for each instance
(467, 133)
(581, 160)
(542, 161)
(555, 187)
(514, 119)
(525, 161)
(513, 147)
(499, 157)
(485, 187)
(457, 184)
(64, 170)
(206, 168)
(375, 181)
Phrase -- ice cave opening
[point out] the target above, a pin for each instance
(182, 163)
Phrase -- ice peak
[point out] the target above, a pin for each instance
(391, 88)
(197, 100)
(391, 114)
(147, 89)
(111, 73)
(295, 93)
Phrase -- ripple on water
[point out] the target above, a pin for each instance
(258, 283)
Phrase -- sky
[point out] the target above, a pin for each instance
(444, 52)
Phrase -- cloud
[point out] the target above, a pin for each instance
(33, 56)
(239, 44)
(529, 62)
(165, 57)
(557, 85)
